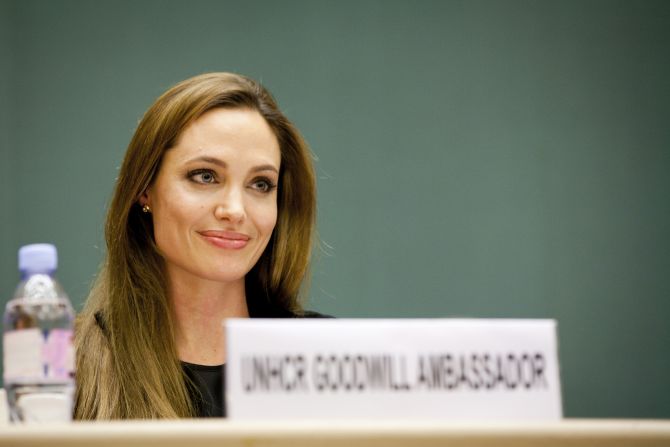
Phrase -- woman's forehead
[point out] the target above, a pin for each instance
(228, 135)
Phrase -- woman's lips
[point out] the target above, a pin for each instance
(225, 239)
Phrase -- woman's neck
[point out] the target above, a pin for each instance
(200, 307)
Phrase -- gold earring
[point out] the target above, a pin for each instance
(146, 209)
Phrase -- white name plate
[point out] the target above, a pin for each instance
(381, 369)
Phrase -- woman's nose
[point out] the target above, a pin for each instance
(231, 206)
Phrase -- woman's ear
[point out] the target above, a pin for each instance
(144, 198)
(143, 202)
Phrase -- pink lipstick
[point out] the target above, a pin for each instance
(226, 239)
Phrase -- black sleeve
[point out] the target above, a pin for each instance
(312, 314)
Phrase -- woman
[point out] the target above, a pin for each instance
(212, 217)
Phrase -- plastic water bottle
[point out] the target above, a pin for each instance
(37, 341)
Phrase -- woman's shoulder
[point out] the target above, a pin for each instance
(264, 307)
(311, 314)
(278, 312)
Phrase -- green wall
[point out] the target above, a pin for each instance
(475, 158)
(7, 153)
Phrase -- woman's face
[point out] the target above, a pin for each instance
(214, 199)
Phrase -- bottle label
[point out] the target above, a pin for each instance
(32, 354)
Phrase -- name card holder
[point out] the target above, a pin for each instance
(449, 369)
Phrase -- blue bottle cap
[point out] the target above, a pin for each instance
(38, 258)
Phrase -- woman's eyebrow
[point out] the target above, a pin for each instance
(267, 167)
(223, 164)
(207, 159)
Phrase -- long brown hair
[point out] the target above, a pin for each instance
(127, 366)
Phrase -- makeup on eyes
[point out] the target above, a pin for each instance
(209, 176)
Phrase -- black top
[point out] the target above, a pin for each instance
(207, 396)
(206, 383)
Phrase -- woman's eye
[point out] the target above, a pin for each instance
(263, 185)
(202, 176)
